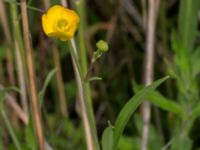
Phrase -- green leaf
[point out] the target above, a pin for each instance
(130, 108)
(46, 83)
(107, 138)
(162, 102)
(188, 21)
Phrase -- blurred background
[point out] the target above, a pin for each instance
(148, 39)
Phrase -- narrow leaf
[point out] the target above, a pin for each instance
(188, 21)
(162, 102)
(130, 108)
(46, 83)
(107, 138)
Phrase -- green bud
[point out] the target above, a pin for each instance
(102, 45)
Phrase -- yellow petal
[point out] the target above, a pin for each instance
(45, 24)
(60, 22)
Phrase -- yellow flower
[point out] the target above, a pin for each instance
(60, 22)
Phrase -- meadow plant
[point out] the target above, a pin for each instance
(84, 107)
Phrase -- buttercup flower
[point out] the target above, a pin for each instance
(60, 22)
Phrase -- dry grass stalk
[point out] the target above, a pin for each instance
(33, 91)
(149, 67)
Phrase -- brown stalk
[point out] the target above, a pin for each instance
(149, 67)
(33, 91)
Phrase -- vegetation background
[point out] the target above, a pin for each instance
(148, 39)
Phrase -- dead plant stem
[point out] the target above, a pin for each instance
(149, 67)
(33, 91)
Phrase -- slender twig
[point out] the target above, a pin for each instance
(149, 67)
(33, 91)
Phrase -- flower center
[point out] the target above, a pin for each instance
(62, 24)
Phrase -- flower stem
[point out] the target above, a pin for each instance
(85, 118)
(84, 68)
(86, 115)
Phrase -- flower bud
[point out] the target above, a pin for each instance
(102, 45)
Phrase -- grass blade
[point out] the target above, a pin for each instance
(188, 21)
(160, 101)
(46, 83)
(130, 108)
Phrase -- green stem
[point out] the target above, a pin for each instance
(8, 125)
(73, 52)
(87, 114)
(84, 67)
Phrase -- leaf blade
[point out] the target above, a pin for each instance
(130, 107)
(107, 138)
(46, 83)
